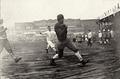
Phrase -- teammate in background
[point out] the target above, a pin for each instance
(104, 36)
(89, 38)
(74, 40)
(108, 36)
(79, 38)
(86, 37)
(63, 41)
(100, 36)
(83, 38)
(112, 33)
(4, 43)
(50, 35)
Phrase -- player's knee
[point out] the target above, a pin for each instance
(75, 50)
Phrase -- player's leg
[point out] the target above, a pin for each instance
(52, 61)
(100, 40)
(105, 40)
(52, 45)
(1, 45)
(90, 42)
(77, 53)
(9, 50)
(59, 54)
(73, 48)
(47, 48)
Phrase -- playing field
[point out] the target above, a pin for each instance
(104, 62)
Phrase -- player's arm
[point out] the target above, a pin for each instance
(43, 33)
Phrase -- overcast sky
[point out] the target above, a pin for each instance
(30, 10)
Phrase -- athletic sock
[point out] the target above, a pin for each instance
(79, 56)
(55, 56)
(54, 48)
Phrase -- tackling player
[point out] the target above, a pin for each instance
(63, 41)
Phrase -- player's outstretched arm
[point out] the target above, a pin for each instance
(42, 33)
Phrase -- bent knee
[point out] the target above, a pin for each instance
(75, 50)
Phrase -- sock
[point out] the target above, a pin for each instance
(79, 56)
(55, 56)
(54, 48)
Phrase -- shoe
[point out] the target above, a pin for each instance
(52, 62)
(17, 59)
(84, 62)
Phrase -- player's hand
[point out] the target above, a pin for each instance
(40, 33)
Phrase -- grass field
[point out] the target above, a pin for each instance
(104, 62)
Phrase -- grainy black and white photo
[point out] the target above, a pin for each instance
(59, 39)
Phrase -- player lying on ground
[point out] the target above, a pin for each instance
(50, 35)
(61, 32)
(4, 43)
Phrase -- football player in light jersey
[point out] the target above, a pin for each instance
(50, 38)
(4, 43)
